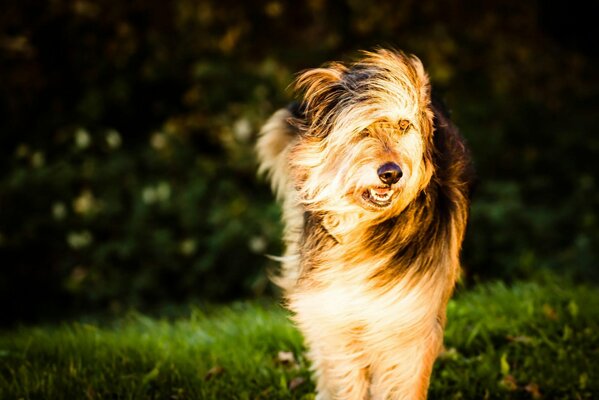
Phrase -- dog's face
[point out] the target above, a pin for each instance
(367, 136)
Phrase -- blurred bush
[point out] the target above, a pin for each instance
(127, 172)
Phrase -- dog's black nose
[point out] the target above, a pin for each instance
(389, 173)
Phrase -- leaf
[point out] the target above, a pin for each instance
(550, 312)
(583, 379)
(573, 308)
(213, 372)
(296, 382)
(152, 375)
(90, 393)
(450, 354)
(567, 333)
(520, 339)
(510, 383)
(283, 382)
(534, 391)
(473, 333)
(505, 366)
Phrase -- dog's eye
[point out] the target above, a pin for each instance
(404, 125)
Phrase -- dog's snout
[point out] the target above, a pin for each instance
(389, 173)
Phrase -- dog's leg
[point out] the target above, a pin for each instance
(340, 373)
(404, 374)
(339, 365)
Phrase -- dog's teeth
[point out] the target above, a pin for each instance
(380, 196)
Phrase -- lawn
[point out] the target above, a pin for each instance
(523, 341)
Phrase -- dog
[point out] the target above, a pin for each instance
(374, 183)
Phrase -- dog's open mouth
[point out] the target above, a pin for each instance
(379, 196)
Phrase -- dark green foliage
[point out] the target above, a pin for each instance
(517, 342)
(127, 172)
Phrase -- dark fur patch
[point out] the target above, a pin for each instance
(432, 213)
(314, 242)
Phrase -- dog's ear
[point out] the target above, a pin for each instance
(452, 157)
(321, 89)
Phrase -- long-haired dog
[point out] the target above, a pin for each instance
(373, 179)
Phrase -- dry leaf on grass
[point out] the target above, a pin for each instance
(296, 382)
(214, 371)
(286, 358)
(510, 383)
(534, 391)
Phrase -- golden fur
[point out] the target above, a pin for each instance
(370, 263)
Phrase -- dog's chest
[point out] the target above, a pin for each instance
(345, 303)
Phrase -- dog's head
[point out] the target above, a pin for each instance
(366, 136)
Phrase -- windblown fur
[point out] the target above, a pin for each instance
(373, 179)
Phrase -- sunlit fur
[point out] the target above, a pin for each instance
(368, 284)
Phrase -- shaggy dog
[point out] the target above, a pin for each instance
(373, 179)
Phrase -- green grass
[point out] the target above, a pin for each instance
(521, 342)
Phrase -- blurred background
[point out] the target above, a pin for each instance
(127, 175)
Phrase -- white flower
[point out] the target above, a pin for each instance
(257, 244)
(22, 150)
(59, 210)
(79, 240)
(158, 141)
(188, 247)
(113, 139)
(242, 128)
(38, 159)
(82, 138)
(148, 195)
(161, 192)
(84, 203)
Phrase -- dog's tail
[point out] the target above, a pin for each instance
(274, 143)
(273, 146)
